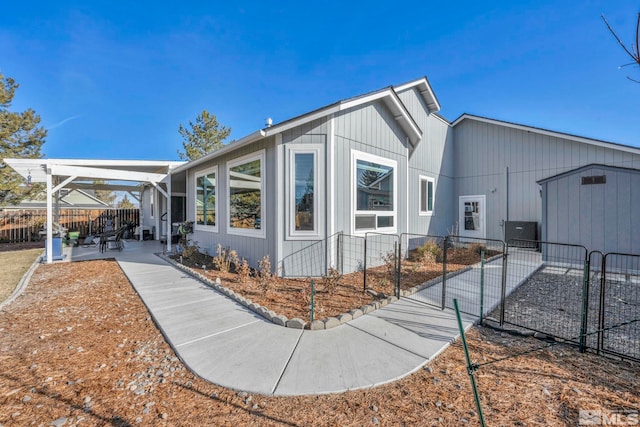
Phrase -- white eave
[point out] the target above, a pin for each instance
(387, 95)
(424, 88)
(581, 139)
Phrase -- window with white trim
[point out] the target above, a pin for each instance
(374, 193)
(206, 206)
(303, 191)
(246, 195)
(426, 195)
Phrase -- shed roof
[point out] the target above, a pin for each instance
(584, 168)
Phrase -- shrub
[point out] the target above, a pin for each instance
(430, 252)
(477, 248)
(221, 260)
(243, 270)
(331, 280)
(266, 278)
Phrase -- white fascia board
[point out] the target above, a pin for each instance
(111, 187)
(255, 136)
(425, 90)
(302, 120)
(395, 105)
(106, 174)
(598, 143)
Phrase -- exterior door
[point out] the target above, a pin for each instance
(471, 216)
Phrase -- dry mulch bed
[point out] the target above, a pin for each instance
(291, 297)
(79, 348)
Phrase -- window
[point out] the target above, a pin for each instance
(246, 195)
(374, 194)
(303, 191)
(426, 195)
(206, 207)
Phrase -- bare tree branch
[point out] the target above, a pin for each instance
(634, 52)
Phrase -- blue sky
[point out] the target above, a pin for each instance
(116, 79)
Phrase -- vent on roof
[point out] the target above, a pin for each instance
(596, 179)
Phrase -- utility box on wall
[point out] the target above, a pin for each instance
(521, 230)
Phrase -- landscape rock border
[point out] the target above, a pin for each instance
(22, 284)
(278, 319)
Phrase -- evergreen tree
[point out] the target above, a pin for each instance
(21, 137)
(125, 203)
(206, 135)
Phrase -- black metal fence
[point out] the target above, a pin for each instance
(560, 290)
(26, 225)
(587, 298)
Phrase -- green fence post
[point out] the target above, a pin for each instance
(471, 368)
(481, 285)
(313, 297)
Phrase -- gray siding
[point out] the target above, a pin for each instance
(309, 134)
(604, 217)
(251, 248)
(484, 151)
(372, 129)
(432, 157)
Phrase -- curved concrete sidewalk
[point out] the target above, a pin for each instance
(229, 345)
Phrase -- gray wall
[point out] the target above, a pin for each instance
(604, 217)
(251, 248)
(483, 151)
(310, 134)
(432, 157)
(369, 128)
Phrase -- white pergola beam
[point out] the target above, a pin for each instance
(106, 174)
(63, 184)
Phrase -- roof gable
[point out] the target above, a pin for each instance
(425, 90)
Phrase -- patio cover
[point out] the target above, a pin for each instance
(65, 173)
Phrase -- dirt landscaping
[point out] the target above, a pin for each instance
(335, 293)
(79, 348)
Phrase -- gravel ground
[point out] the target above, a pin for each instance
(551, 302)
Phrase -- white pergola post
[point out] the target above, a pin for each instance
(169, 223)
(49, 247)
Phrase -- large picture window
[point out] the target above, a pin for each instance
(303, 191)
(246, 195)
(206, 207)
(426, 195)
(374, 185)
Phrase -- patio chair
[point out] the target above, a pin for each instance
(112, 239)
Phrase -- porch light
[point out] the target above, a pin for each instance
(29, 178)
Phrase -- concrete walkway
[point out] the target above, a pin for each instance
(229, 345)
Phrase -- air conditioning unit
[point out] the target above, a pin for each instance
(520, 230)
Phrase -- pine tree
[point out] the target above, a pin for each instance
(21, 137)
(206, 135)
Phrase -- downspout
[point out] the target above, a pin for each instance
(506, 200)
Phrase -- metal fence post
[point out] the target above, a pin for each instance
(445, 248)
(603, 281)
(585, 303)
(365, 264)
(481, 285)
(399, 269)
(313, 297)
(503, 290)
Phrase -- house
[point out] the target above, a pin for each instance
(382, 162)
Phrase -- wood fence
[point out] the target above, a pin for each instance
(27, 225)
